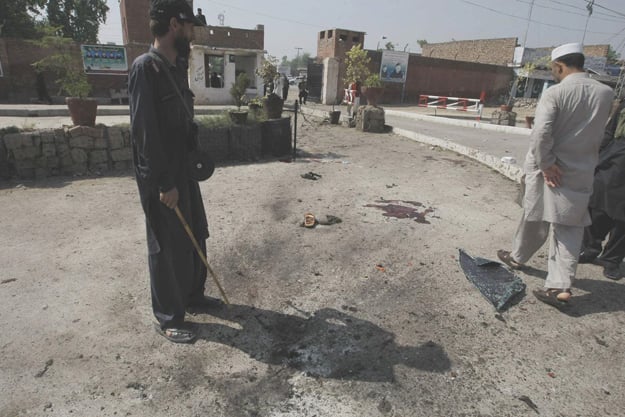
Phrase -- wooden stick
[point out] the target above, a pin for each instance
(199, 252)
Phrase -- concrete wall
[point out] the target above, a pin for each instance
(330, 89)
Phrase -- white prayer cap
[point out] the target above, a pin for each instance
(567, 48)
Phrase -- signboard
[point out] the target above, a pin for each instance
(394, 66)
(104, 59)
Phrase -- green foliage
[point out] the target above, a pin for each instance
(8, 130)
(77, 19)
(422, 42)
(268, 70)
(20, 21)
(357, 65)
(300, 61)
(65, 64)
(373, 81)
(389, 46)
(238, 89)
(215, 122)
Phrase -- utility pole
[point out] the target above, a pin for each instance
(529, 20)
(589, 8)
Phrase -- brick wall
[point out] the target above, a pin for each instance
(135, 21)
(227, 37)
(334, 43)
(20, 75)
(485, 51)
(432, 76)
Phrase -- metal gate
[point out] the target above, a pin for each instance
(314, 81)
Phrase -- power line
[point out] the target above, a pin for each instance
(610, 10)
(569, 12)
(578, 8)
(266, 15)
(533, 21)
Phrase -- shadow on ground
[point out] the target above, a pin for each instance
(327, 343)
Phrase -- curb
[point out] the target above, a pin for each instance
(465, 123)
(511, 171)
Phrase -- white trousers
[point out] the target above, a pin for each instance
(352, 109)
(564, 247)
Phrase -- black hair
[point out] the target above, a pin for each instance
(572, 60)
(159, 28)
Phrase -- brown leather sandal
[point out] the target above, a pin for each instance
(505, 257)
(552, 297)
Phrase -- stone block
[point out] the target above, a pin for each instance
(245, 143)
(124, 154)
(67, 161)
(506, 118)
(25, 164)
(79, 156)
(26, 153)
(15, 140)
(215, 142)
(41, 173)
(60, 140)
(47, 137)
(370, 119)
(36, 140)
(26, 173)
(122, 165)
(100, 143)
(53, 162)
(97, 157)
(4, 162)
(84, 142)
(48, 149)
(116, 139)
(41, 162)
(79, 169)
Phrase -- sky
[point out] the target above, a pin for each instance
(293, 25)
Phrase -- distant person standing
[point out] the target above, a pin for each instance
(559, 168)
(303, 91)
(285, 87)
(42, 89)
(199, 16)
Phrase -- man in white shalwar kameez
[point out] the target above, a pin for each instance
(559, 168)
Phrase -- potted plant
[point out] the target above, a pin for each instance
(255, 105)
(237, 91)
(268, 72)
(71, 79)
(372, 89)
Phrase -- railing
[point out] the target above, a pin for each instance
(452, 103)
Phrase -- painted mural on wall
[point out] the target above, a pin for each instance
(394, 66)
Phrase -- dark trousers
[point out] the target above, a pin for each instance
(614, 250)
(177, 274)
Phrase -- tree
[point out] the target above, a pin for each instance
(613, 56)
(77, 19)
(389, 46)
(18, 18)
(299, 62)
(356, 65)
(422, 43)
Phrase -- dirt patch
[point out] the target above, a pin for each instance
(317, 327)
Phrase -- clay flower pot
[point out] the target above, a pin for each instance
(82, 110)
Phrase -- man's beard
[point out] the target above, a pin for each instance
(183, 46)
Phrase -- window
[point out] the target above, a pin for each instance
(342, 38)
(329, 34)
(322, 35)
(356, 39)
(246, 64)
(214, 65)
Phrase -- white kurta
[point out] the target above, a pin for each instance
(569, 124)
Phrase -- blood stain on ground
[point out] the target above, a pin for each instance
(401, 209)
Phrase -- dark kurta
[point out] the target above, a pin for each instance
(609, 184)
(161, 140)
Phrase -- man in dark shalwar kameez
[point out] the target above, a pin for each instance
(607, 203)
(162, 136)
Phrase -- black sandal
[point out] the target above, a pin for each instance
(550, 296)
(505, 257)
(182, 334)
